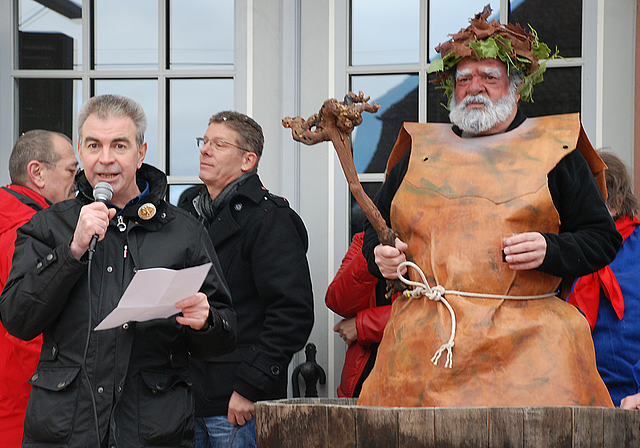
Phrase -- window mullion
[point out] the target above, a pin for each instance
(163, 42)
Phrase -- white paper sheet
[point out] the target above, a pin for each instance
(153, 293)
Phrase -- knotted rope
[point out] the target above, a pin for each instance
(437, 294)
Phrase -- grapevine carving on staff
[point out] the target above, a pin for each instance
(334, 122)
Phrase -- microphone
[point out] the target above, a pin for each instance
(102, 192)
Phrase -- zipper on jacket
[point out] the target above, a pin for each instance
(121, 224)
(125, 251)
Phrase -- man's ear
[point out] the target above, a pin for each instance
(249, 161)
(35, 174)
(142, 152)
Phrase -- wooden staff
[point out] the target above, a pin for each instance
(334, 123)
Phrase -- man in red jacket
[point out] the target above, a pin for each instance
(42, 167)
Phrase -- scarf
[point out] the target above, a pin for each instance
(208, 207)
(586, 291)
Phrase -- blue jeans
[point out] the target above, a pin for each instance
(217, 432)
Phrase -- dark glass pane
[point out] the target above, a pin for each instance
(436, 102)
(447, 17)
(47, 104)
(558, 23)
(357, 215)
(49, 37)
(385, 32)
(373, 140)
(559, 93)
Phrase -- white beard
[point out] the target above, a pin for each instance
(476, 121)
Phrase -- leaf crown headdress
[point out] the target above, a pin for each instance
(481, 39)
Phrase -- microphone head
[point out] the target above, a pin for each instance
(103, 192)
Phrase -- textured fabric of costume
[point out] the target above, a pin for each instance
(458, 199)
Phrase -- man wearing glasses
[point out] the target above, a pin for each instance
(261, 244)
(42, 167)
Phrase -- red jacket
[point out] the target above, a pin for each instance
(18, 359)
(353, 293)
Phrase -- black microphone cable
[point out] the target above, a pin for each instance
(102, 192)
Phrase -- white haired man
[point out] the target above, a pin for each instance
(460, 199)
(131, 385)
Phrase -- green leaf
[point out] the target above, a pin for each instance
(437, 65)
(485, 48)
(541, 50)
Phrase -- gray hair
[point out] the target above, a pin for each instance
(36, 144)
(619, 186)
(108, 106)
(249, 130)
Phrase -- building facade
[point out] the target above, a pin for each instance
(186, 60)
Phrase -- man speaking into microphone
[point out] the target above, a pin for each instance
(127, 386)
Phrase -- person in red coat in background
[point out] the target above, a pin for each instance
(359, 298)
(42, 167)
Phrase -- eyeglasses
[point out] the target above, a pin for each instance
(217, 144)
(73, 171)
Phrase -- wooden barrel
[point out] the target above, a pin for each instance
(340, 423)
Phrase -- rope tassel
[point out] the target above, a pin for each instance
(437, 294)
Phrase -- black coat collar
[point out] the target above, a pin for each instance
(157, 188)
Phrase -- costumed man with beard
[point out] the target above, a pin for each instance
(131, 385)
(42, 167)
(461, 198)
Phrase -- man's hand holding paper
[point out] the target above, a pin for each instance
(159, 293)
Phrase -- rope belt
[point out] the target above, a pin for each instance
(437, 294)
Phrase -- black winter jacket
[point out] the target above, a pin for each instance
(138, 374)
(261, 244)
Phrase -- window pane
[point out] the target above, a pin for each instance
(559, 93)
(49, 104)
(192, 103)
(175, 191)
(444, 19)
(48, 38)
(373, 140)
(357, 215)
(558, 24)
(203, 40)
(126, 34)
(144, 92)
(436, 102)
(385, 32)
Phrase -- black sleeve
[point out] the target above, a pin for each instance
(383, 202)
(588, 239)
(42, 276)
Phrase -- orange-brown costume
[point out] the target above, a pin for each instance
(457, 200)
